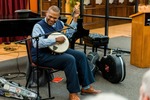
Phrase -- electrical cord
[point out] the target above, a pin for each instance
(13, 74)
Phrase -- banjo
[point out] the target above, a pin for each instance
(59, 48)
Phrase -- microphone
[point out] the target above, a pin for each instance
(69, 26)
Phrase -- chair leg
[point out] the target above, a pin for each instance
(49, 87)
(85, 48)
(29, 76)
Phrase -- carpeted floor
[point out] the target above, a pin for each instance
(121, 42)
(128, 88)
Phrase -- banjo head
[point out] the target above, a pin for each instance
(59, 48)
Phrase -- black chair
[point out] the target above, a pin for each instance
(32, 67)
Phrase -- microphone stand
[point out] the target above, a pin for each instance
(37, 81)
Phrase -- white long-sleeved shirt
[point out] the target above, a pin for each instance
(45, 42)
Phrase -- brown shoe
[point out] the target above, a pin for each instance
(73, 96)
(91, 90)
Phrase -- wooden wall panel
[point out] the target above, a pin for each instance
(122, 11)
(45, 4)
(112, 10)
(130, 10)
(89, 19)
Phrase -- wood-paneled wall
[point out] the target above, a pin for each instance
(116, 8)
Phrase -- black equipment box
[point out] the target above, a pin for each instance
(95, 40)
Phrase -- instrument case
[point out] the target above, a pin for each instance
(93, 57)
(113, 68)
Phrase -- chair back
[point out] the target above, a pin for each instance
(28, 47)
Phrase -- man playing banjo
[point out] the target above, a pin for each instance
(74, 63)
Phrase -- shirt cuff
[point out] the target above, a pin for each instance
(51, 41)
(73, 24)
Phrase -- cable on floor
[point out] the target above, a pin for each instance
(13, 74)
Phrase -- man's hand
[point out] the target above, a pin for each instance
(60, 39)
(76, 11)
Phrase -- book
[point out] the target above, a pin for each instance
(57, 79)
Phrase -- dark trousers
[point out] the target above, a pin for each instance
(75, 65)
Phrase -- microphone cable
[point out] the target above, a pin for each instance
(13, 74)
